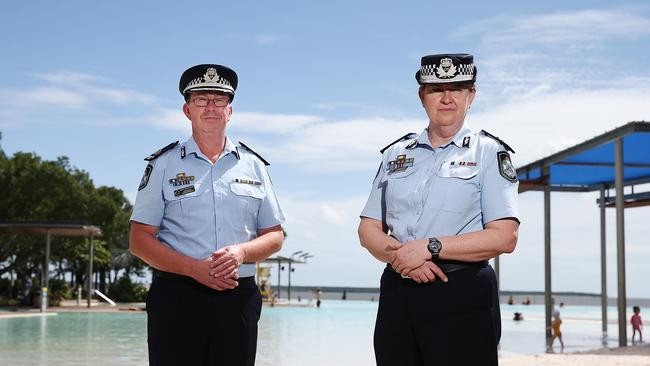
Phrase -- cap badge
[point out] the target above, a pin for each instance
(446, 69)
(211, 75)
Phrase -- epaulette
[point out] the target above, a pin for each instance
(409, 135)
(498, 140)
(161, 151)
(254, 153)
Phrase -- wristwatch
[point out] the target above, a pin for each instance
(434, 246)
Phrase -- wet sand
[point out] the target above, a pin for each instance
(634, 355)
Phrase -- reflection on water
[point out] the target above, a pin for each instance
(340, 332)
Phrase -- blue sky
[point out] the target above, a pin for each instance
(323, 87)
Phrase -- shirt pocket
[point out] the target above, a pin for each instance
(248, 199)
(400, 191)
(179, 201)
(457, 189)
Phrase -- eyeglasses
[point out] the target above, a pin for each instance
(203, 102)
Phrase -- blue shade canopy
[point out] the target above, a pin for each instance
(589, 166)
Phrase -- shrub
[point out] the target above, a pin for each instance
(124, 290)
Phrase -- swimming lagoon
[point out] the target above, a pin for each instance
(337, 333)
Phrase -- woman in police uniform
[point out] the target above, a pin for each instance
(443, 202)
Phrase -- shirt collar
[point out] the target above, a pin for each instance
(462, 138)
(191, 147)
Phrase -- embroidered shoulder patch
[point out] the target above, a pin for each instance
(506, 169)
(145, 178)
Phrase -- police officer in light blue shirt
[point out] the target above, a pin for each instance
(442, 203)
(205, 212)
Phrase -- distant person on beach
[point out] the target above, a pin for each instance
(345, 295)
(526, 301)
(637, 323)
(511, 300)
(518, 316)
(443, 202)
(318, 295)
(555, 325)
(205, 212)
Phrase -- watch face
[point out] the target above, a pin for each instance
(435, 246)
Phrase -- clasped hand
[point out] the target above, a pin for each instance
(412, 259)
(220, 271)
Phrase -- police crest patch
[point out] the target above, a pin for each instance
(145, 178)
(506, 169)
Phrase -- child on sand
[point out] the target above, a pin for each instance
(637, 323)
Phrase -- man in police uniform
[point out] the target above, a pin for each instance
(204, 214)
(443, 202)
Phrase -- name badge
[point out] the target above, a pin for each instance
(248, 181)
(184, 191)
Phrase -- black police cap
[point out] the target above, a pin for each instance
(446, 68)
(208, 78)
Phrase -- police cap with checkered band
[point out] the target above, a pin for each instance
(208, 78)
(446, 68)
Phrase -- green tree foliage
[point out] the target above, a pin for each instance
(41, 190)
(124, 290)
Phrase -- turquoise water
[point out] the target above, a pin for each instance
(340, 332)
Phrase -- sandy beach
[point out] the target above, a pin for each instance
(628, 356)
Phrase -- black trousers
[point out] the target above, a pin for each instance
(453, 323)
(190, 324)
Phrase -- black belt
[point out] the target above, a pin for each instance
(448, 266)
(246, 281)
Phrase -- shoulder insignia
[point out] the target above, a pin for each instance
(409, 135)
(484, 132)
(254, 153)
(506, 169)
(155, 155)
(145, 178)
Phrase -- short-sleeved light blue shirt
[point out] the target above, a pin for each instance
(200, 207)
(422, 192)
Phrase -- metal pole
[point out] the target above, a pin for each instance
(279, 270)
(547, 256)
(497, 270)
(90, 270)
(289, 288)
(620, 245)
(46, 274)
(603, 261)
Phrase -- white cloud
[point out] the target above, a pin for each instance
(580, 28)
(171, 119)
(69, 89)
(545, 123)
(536, 124)
(273, 123)
(67, 77)
(340, 145)
(328, 230)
